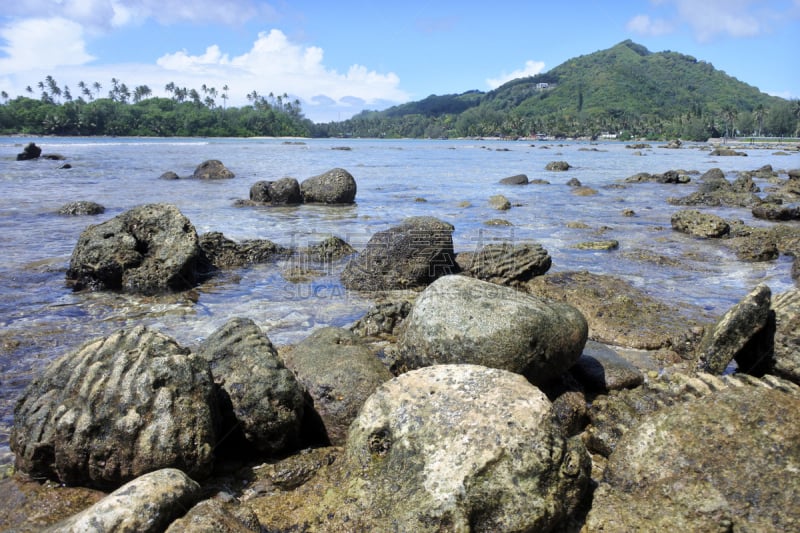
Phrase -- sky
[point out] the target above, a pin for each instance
(341, 57)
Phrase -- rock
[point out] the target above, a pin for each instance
(169, 175)
(744, 183)
(260, 398)
(714, 190)
(29, 505)
(519, 179)
(601, 369)
(721, 151)
(574, 182)
(673, 144)
(65, 166)
(497, 222)
(796, 269)
(117, 408)
(147, 504)
(339, 373)
(31, 151)
(598, 245)
(383, 319)
(557, 166)
(213, 169)
(719, 464)
(671, 176)
(583, 191)
(336, 186)
(697, 224)
(638, 146)
(407, 256)
(329, 249)
(424, 455)
(505, 263)
(215, 516)
(285, 191)
(220, 252)
(786, 307)
(499, 202)
(776, 212)
(148, 249)
(620, 314)
(81, 207)
(462, 320)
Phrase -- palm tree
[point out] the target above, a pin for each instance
(760, 112)
(29, 89)
(729, 114)
(225, 90)
(4, 96)
(96, 85)
(141, 92)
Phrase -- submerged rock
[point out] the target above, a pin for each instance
(557, 166)
(499, 202)
(518, 179)
(336, 186)
(285, 191)
(31, 151)
(699, 224)
(220, 252)
(81, 207)
(213, 169)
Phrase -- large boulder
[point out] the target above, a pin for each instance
(150, 248)
(117, 408)
(698, 224)
(31, 151)
(407, 256)
(459, 448)
(148, 504)
(336, 186)
(260, 398)
(285, 191)
(786, 307)
(213, 169)
(458, 319)
(723, 463)
(339, 373)
(505, 263)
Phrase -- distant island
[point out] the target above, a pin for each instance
(623, 92)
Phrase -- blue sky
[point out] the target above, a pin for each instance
(342, 57)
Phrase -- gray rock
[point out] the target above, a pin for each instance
(424, 455)
(697, 224)
(220, 252)
(339, 373)
(116, 408)
(786, 307)
(216, 516)
(505, 263)
(407, 256)
(382, 320)
(147, 504)
(31, 151)
(336, 186)
(259, 396)
(148, 249)
(329, 249)
(81, 207)
(574, 182)
(458, 319)
(601, 369)
(722, 151)
(285, 191)
(671, 176)
(213, 169)
(714, 465)
(518, 179)
(499, 202)
(169, 175)
(557, 166)
(776, 212)
(738, 334)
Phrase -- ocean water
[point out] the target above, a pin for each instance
(41, 319)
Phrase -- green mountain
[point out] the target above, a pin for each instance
(625, 89)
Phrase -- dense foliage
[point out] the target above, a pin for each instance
(624, 90)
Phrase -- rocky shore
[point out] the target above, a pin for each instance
(481, 392)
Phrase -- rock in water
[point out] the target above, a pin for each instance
(337, 186)
(464, 320)
(518, 179)
(214, 516)
(31, 151)
(407, 256)
(81, 207)
(699, 224)
(213, 169)
(146, 505)
(148, 249)
(285, 191)
(115, 409)
(506, 263)
(460, 448)
(260, 396)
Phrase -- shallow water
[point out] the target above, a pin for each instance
(41, 319)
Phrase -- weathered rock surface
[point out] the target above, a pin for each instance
(786, 307)
(220, 252)
(285, 191)
(739, 334)
(499, 202)
(721, 464)
(81, 207)
(715, 190)
(423, 455)
(601, 369)
(31, 151)
(339, 373)
(670, 176)
(698, 224)
(29, 506)
(722, 151)
(259, 397)
(150, 248)
(458, 319)
(115, 409)
(620, 314)
(336, 186)
(776, 212)
(383, 319)
(518, 179)
(213, 169)
(169, 176)
(329, 249)
(147, 504)
(505, 263)
(557, 166)
(215, 516)
(407, 256)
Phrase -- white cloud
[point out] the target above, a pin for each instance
(531, 68)
(644, 25)
(42, 44)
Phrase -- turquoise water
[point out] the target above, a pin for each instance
(41, 318)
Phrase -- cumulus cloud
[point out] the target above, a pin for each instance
(42, 44)
(644, 25)
(531, 68)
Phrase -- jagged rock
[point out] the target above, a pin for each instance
(407, 256)
(557, 166)
(31, 151)
(458, 319)
(116, 408)
(608, 245)
(339, 373)
(150, 248)
(697, 224)
(336, 186)
(754, 245)
(714, 191)
(213, 169)
(744, 183)
(216, 516)
(671, 176)
(776, 212)
(219, 252)
(505, 263)
(499, 202)
(382, 320)
(786, 359)
(81, 207)
(331, 248)
(673, 144)
(519, 179)
(147, 504)
(285, 191)
(29, 505)
(600, 368)
(720, 464)
(260, 398)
